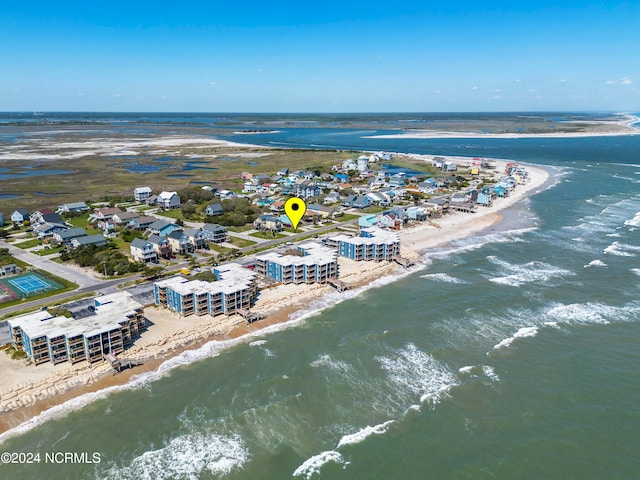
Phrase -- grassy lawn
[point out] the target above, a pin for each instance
(346, 217)
(219, 248)
(374, 209)
(176, 214)
(244, 228)
(267, 236)
(240, 242)
(34, 242)
(49, 251)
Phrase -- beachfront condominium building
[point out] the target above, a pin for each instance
(117, 320)
(373, 244)
(313, 263)
(234, 289)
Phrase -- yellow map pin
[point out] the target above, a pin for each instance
(294, 208)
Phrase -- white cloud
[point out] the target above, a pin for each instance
(437, 92)
(474, 88)
(213, 83)
(495, 97)
(497, 90)
(117, 95)
(518, 80)
(622, 81)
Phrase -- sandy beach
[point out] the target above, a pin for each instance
(595, 129)
(25, 390)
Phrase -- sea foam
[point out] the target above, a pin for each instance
(187, 456)
(524, 332)
(530, 272)
(364, 433)
(312, 465)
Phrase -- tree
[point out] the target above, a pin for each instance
(151, 272)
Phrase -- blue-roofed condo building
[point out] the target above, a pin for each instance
(117, 321)
(234, 289)
(373, 244)
(314, 263)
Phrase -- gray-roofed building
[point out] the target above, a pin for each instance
(74, 207)
(214, 233)
(143, 251)
(97, 240)
(65, 236)
(20, 215)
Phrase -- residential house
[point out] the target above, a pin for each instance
(163, 228)
(348, 202)
(168, 200)
(246, 176)
(161, 245)
(75, 207)
(283, 172)
(341, 177)
(214, 233)
(308, 189)
(86, 240)
(142, 223)
(213, 210)
(416, 213)
(196, 237)
(222, 194)
(332, 197)
(65, 236)
(1, 219)
(396, 181)
(180, 242)
(268, 223)
(20, 215)
(152, 201)
(104, 214)
(143, 251)
(37, 216)
(363, 163)
(142, 194)
(362, 201)
(321, 210)
(123, 218)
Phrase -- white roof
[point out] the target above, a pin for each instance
(380, 237)
(111, 310)
(316, 254)
(167, 195)
(142, 190)
(233, 278)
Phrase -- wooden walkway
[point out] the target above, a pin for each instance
(118, 364)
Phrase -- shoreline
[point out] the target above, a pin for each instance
(612, 129)
(283, 306)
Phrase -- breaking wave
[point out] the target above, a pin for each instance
(530, 272)
(187, 456)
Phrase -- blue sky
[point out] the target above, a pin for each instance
(349, 56)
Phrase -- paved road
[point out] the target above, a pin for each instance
(87, 283)
(43, 263)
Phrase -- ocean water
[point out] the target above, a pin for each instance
(512, 354)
